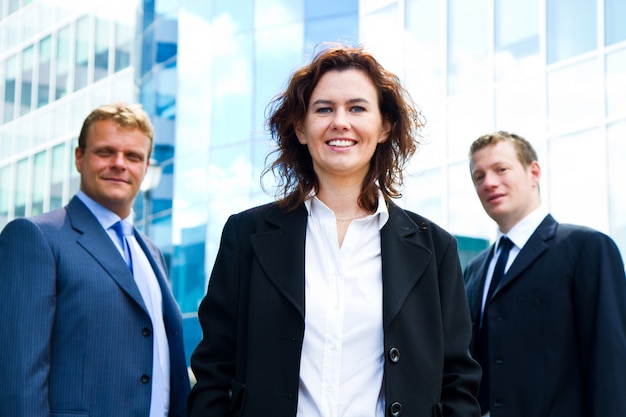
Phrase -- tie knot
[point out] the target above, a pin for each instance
(123, 228)
(505, 244)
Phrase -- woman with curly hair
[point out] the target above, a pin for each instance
(333, 300)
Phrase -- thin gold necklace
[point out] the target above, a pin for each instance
(352, 218)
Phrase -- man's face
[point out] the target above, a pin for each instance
(113, 165)
(507, 190)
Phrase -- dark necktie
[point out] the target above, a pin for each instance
(505, 246)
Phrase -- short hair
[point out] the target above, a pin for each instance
(128, 116)
(525, 152)
(293, 165)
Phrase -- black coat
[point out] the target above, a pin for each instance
(557, 325)
(253, 320)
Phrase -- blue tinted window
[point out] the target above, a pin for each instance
(101, 58)
(330, 8)
(614, 21)
(571, 28)
(516, 37)
(43, 82)
(81, 61)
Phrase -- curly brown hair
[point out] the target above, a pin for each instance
(293, 166)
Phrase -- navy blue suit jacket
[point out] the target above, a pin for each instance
(557, 325)
(77, 339)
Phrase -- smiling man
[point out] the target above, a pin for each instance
(548, 302)
(90, 326)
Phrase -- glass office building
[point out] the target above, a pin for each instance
(553, 71)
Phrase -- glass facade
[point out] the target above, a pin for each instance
(553, 71)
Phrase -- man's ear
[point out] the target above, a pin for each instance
(78, 156)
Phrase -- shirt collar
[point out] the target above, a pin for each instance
(381, 211)
(104, 216)
(521, 232)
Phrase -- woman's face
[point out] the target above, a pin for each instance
(343, 125)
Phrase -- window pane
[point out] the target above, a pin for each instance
(579, 107)
(614, 17)
(516, 37)
(62, 63)
(57, 175)
(467, 45)
(520, 106)
(43, 80)
(577, 195)
(571, 28)
(5, 192)
(616, 84)
(617, 171)
(27, 80)
(123, 46)
(101, 58)
(21, 187)
(39, 184)
(9, 87)
(82, 53)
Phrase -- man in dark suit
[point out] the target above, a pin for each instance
(84, 335)
(550, 334)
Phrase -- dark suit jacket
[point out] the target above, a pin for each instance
(557, 325)
(77, 338)
(252, 318)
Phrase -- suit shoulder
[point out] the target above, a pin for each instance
(424, 224)
(50, 222)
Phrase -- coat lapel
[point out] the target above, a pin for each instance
(95, 240)
(535, 246)
(405, 257)
(280, 252)
(475, 287)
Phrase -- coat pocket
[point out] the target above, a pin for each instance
(237, 398)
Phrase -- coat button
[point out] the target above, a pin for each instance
(395, 409)
(394, 355)
(146, 332)
(145, 378)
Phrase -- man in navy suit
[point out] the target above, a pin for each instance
(82, 334)
(551, 334)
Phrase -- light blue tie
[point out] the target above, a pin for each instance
(123, 229)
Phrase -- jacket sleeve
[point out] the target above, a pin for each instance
(461, 373)
(600, 292)
(27, 308)
(213, 361)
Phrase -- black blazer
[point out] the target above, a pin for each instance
(557, 325)
(252, 317)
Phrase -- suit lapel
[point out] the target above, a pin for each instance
(475, 286)
(95, 240)
(535, 246)
(400, 241)
(280, 252)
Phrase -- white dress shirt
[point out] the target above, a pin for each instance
(519, 235)
(342, 362)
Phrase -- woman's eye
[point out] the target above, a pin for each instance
(323, 110)
(358, 109)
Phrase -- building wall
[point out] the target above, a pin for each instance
(553, 71)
